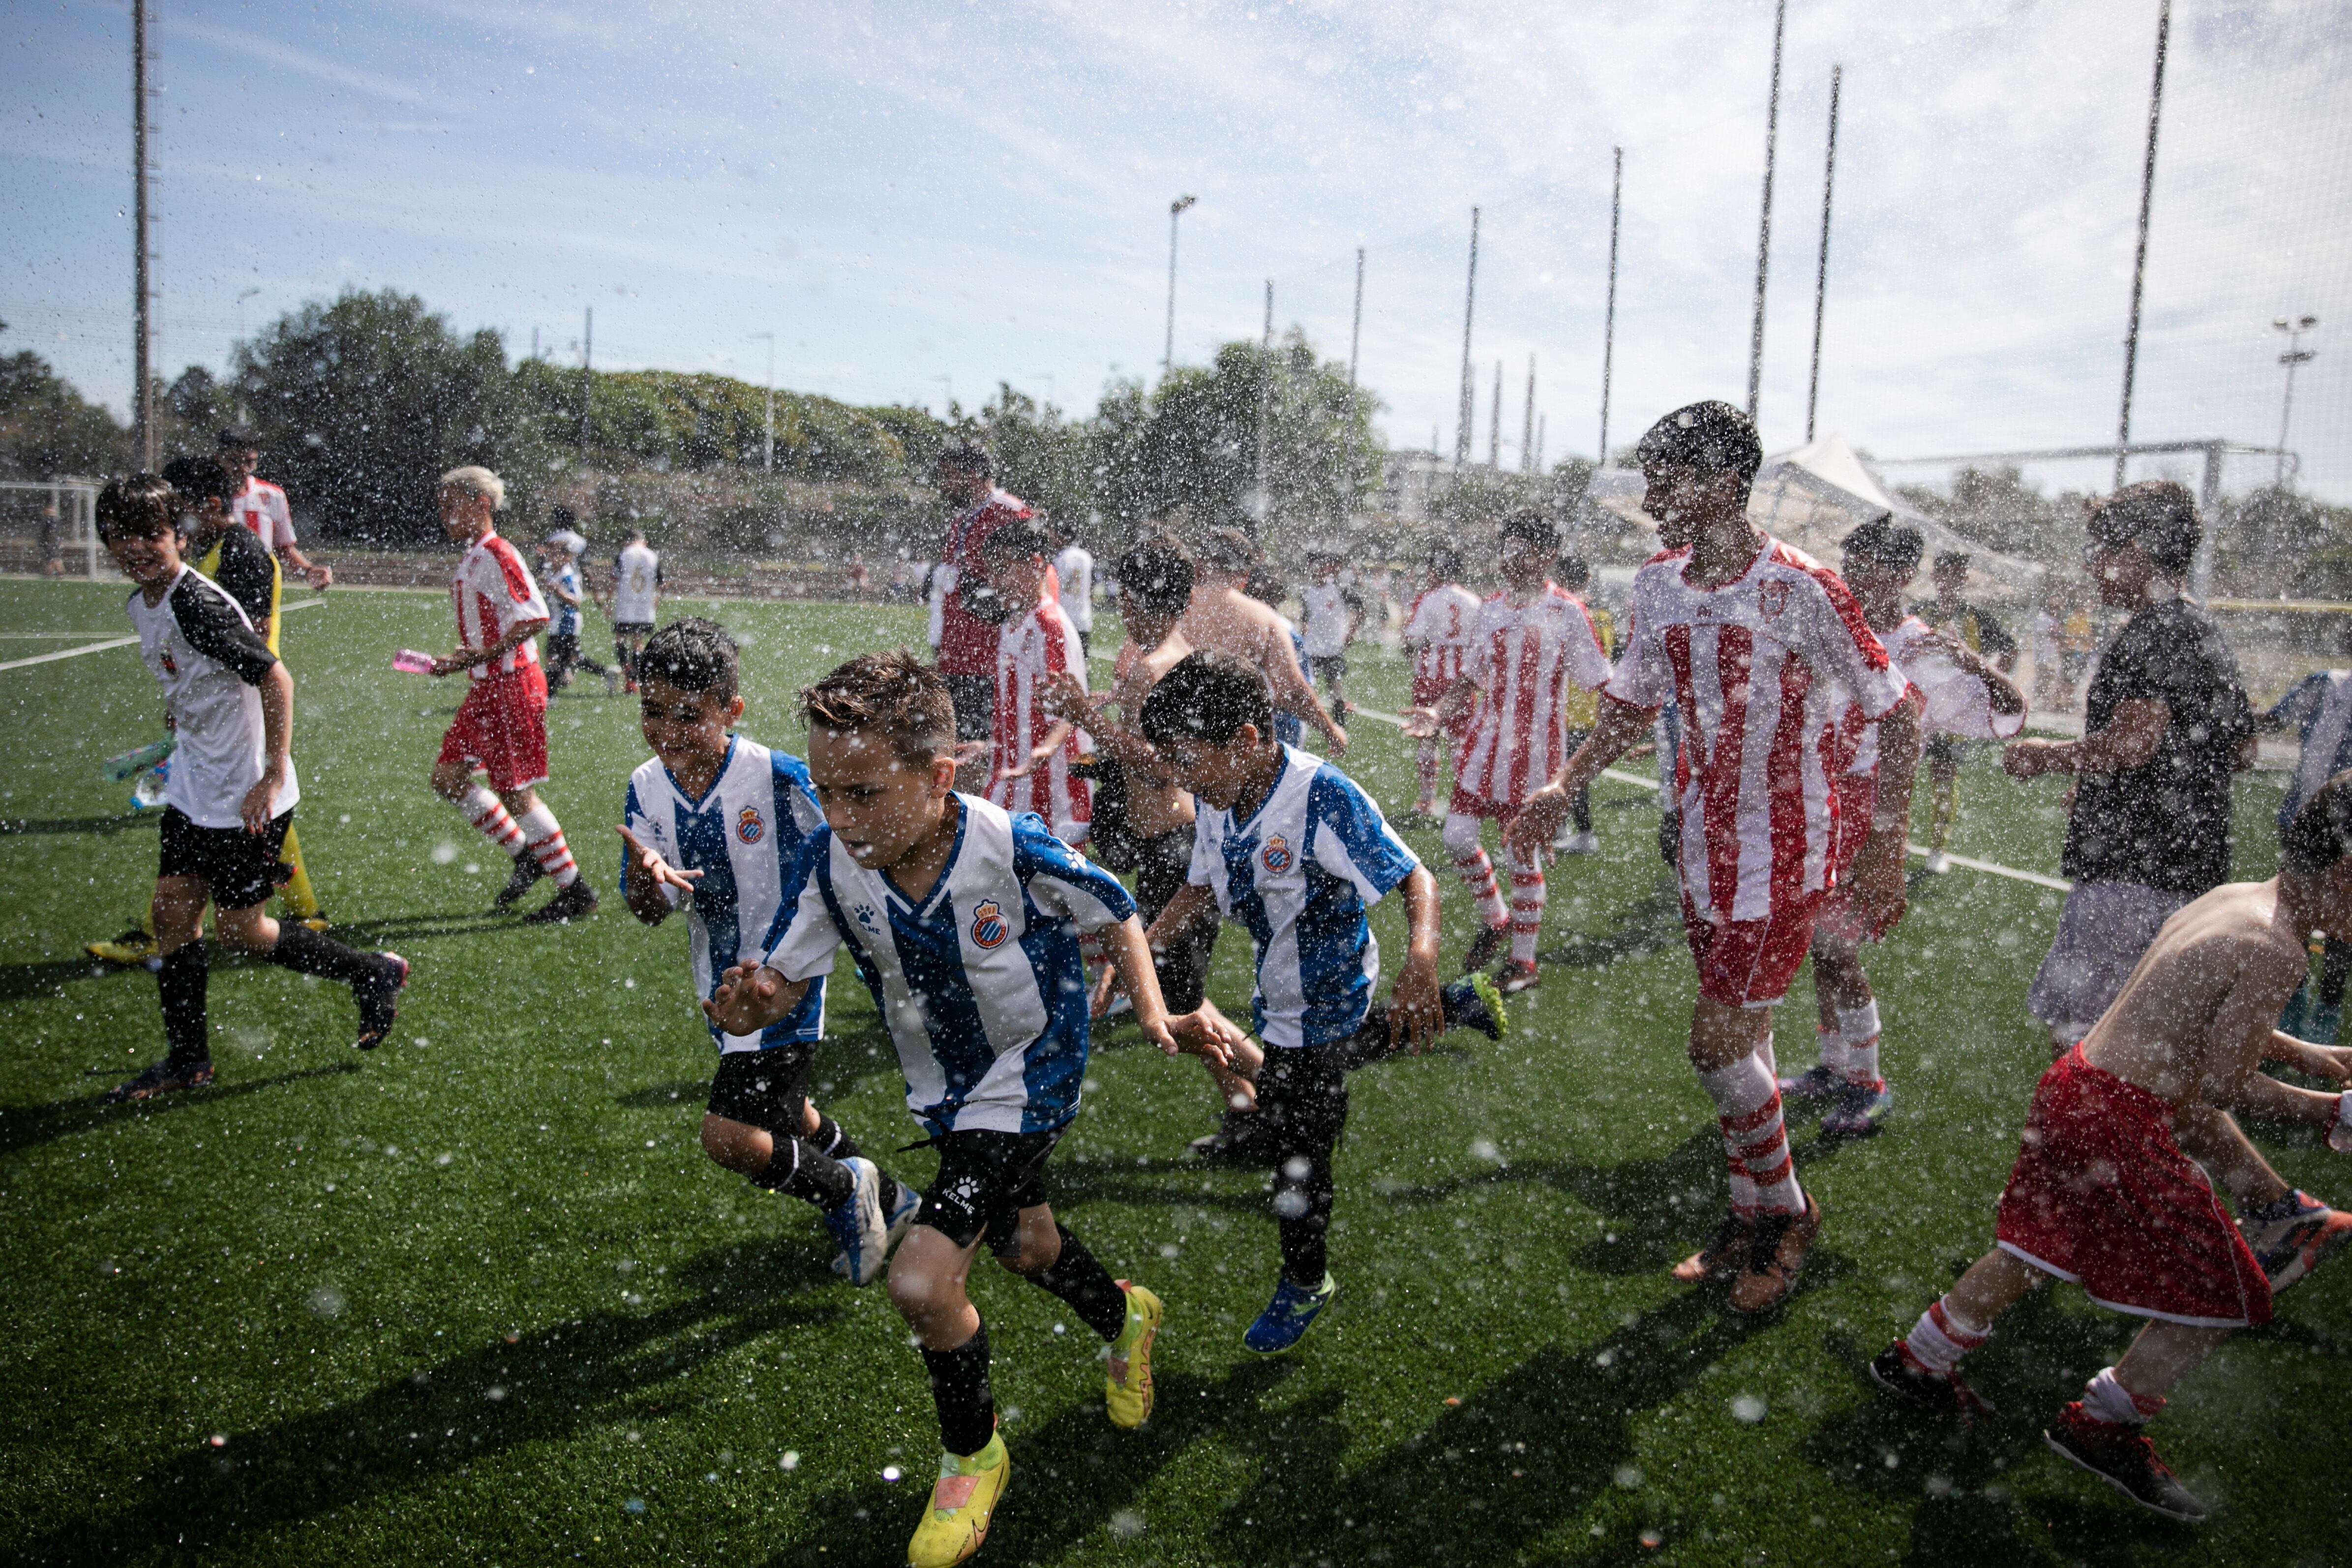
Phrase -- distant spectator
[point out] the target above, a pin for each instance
(964, 644)
(1074, 563)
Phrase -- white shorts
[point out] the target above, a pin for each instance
(2102, 931)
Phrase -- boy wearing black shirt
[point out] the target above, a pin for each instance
(2167, 725)
(232, 791)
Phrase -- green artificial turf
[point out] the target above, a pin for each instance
(479, 1297)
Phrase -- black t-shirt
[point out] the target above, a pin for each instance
(249, 572)
(2165, 823)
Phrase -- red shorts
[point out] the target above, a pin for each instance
(1857, 797)
(1427, 693)
(1749, 963)
(2102, 1196)
(501, 726)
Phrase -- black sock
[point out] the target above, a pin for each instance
(182, 980)
(797, 1171)
(2333, 971)
(960, 1389)
(1580, 810)
(307, 952)
(1078, 1278)
(831, 1138)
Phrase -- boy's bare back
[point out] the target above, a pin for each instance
(1154, 805)
(2197, 1011)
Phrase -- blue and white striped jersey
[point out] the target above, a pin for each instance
(1299, 875)
(980, 982)
(744, 836)
(2320, 708)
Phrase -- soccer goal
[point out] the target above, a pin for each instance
(50, 529)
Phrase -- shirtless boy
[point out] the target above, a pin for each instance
(1223, 618)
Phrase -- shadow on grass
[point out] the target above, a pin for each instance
(29, 1126)
(39, 826)
(549, 1385)
(1653, 921)
(23, 982)
(662, 1096)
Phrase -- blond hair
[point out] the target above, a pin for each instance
(477, 481)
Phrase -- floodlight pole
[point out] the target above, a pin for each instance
(768, 453)
(1821, 272)
(2139, 255)
(142, 300)
(1764, 224)
(1175, 210)
(2296, 354)
(1495, 425)
(1528, 433)
(1266, 407)
(1355, 343)
(1608, 322)
(1469, 392)
(587, 362)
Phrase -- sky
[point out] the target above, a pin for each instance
(924, 199)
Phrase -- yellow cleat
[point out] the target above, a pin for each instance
(317, 922)
(1127, 1383)
(956, 1522)
(133, 947)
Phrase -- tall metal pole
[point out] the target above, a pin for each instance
(1821, 273)
(2296, 354)
(1541, 420)
(587, 357)
(1764, 224)
(1175, 210)
(2139, 255)
(1608, 322)
(1469, 392)
(1528, 432)
(1266, 406)
(1355, 343)
(144, 372)
(1495, 424)
(768, 456)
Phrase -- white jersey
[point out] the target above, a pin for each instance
(636, 582)
(261, 507)
(980, 982)
(493, 592)
(1325, 608)
(1440, 626)
(1526, 659)
(1764, 670)
(1957, 704)
(203, 647)
(1076, 567)
(743, 834)
(1032, 651)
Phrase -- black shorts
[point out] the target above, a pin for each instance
(633, 628)
(1330, 665)
(974, 697)
(765, 1090)
(985, 1180)
(1950, 750)
(239, 868)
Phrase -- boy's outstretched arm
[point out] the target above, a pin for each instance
(751, 997)
(651, 874)
(1416, 1015)
(1620, 724)
(1192, 1034)
(2242, 1036)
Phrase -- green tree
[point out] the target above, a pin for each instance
(48, 430)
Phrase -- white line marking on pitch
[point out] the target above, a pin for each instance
(124, 642)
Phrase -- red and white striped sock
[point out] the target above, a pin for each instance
(545, 836)
(1940, 1339)
(1528, 895)
(1743, 1094)
(1860, 1029)
(484, 810)
(1477, 874)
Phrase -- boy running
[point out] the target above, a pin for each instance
(2104, 1193)
(964, 922)
(636, 593)
(1531, 645)
(500, 729)
(1437, 633)
(231, 795)
(1765, 654)
(1331, 613)
(1033, 750)
(1960, 694)
(559, 566)
(1583, 709)
(1290, 847)
(713, 824)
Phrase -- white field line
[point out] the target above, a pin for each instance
(1989, 867)
(121, 642)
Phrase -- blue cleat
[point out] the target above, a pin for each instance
(1290, 1315)
(1475, 1003)
(857, 1225)
(1816, 1082)
(901, 1217)
(1860, 1111)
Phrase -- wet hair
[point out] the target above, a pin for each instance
(969, 455)
(1883, 542)
(2321, 833)
(2159, 513)
(237, 439)
(1572, 571)
(1207, 698)
(138, 505)
(694, 653)
(1016, 541)
(1266, 586)
(1952, 559)
(1713, 437)
(474, 479)
(1228, 549)
(1446, 561)
(199, 479)
(1531, 524)
(895, 693)
(1158, 576)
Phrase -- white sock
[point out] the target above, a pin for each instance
(1833, 1053)
(2110, 1401)
(1860, 1028)
(545, 836)
(1765, 1053)
(1942, 1337)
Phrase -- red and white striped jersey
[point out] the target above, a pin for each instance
(1526, 659)
(1439, 625)
(261, 507)
(492, 590)
(1765, 670)
(1953, 701)
(1031, 651)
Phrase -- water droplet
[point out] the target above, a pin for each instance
(1748, 1409)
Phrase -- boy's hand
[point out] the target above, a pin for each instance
(1416, 1015)
(663, 874)
(1204, 1033)
(746, 1002)
(1420, 723)
(1066, 697)
(1530, 833)
(2023, 759)
(254, 810)
(463, 658)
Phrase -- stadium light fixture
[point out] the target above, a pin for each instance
(2296, 354)
(1175, 210)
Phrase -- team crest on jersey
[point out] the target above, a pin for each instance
(1771, 599)
(1275, 855)
(750, 826)
(988, 927)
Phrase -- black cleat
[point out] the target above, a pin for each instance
(526, 870)
(1485, 947)
(2124, 1458)
(163, 1078)
(575, 902)
(1900, 1373)
(379, 1001)
(1241, 1139)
